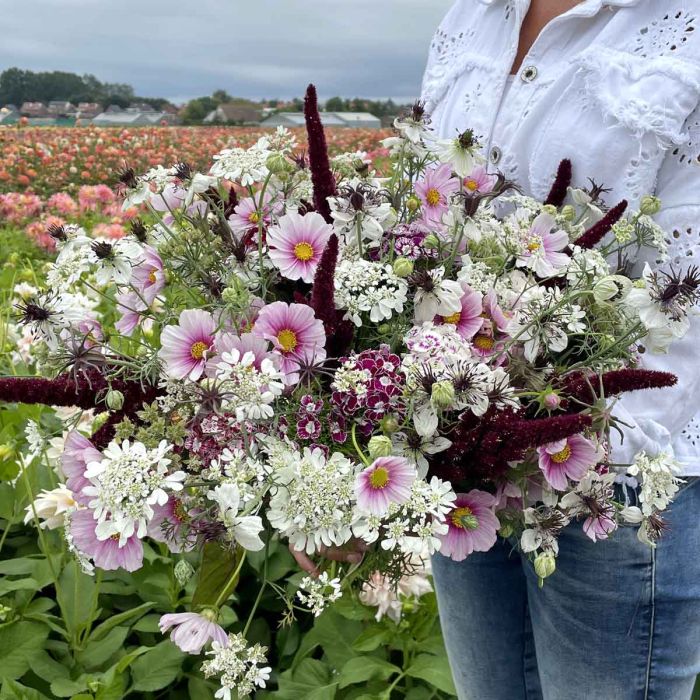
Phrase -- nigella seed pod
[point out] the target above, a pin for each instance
(58, 233)
(103, 250)
(115, 400)
(379, 446)
(545, 565)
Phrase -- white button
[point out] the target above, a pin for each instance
(495, 155)
(528, 74)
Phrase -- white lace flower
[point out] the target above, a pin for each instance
(364, 287)
(659, 482)
(245, 529)
(317, 593)
(126, 483)
(246, 166)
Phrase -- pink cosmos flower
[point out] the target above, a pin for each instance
(434, 191)
(297, 243)
(192, 631)
(185, 346)
(387, 480)
(91, 332)
(571, 457)
(77, 452)
(148, 277)
(247, 214)
(490, 338)
(541, 248)
(599, 526)
(295, 333)
(479, 181)
(168, 524)
(473, 525)
(129, 305)
(107, 554)
(468, 320)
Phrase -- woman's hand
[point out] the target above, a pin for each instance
(352, 553)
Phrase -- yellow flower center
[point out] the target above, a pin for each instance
(563, 456)
(379, 478)
(303, 251)
(179, 511)
(198, 349)
(464, 518)
(287, 339)
(152, 277)
(484, 342)
(534, 245)
(433, 197)
(254, 218)
(114, 537)
(471, 184)
(453, 318)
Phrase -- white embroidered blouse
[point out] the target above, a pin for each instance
(615, 87)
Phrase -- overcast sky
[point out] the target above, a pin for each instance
(253, 48)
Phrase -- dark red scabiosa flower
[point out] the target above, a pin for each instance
(105, 434)
(321, 175)
(559, 190)
(597, 232)
(580, 388)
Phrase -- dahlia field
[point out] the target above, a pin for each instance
(64, 634)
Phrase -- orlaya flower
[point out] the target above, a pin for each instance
(184, 348)
(468, 320)
(473, 525)
(295, 333)
(569, 458)
(387, 480)
(191, 631)
(435, 190)
(541, 248)
(247, 342)
(296, 244)
(107, 553)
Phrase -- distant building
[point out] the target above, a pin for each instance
(9, 114)
(61, 108)
(129, 118)
(33, 109)
(88, 110)
(234, 113)
(113, 109)
(363, 120)
(140, 107)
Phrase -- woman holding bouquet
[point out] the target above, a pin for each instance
(613, 86)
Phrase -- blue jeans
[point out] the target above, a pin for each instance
(618, 620)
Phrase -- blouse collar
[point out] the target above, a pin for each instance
(595, 4)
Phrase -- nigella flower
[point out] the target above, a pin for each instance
(436, 296)
(473, 526)
(478, 181)
(541, 247)
(417, 448)
(592, 498)
(461, 153)
(569, 458)
(468, 320)
(148, 277)
(185, 346)
(108, 553)
(47, 315)
(191, 631)
(296, 244)
(435, 190)
(113, 261)
(387, 480)
(295, 333)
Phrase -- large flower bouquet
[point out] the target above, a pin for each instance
(298, 348)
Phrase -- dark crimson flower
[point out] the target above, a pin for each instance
(560, 188)
(598, 231)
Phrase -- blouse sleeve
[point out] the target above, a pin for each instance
(659, 416)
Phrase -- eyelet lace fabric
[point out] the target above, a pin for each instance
(668, 34)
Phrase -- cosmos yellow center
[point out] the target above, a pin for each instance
(464, 518)
(254, 218)
(561, 457)
(152, 277)
(432, 197)
(287, 339)
(198, 349)
(484, 342)
(534, 245)
(471, 184)
(379, 478)
(453, 318)
(303, 251)
(179, 511)
(114, 537)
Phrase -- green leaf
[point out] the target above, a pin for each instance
(112, 685)
(97, 652)
(434, 670)
(373, 637)
(66, 688)
(200, 689)
(101, 630)
(20, 584)
(11, 690)
(20, 642)
(148, 623)
(333, 634)
(157, 668)
(364, 668)
(311, 680)
(76, 597)
(216, 582)
(45, 666)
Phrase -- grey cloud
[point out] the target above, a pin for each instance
(254, 48)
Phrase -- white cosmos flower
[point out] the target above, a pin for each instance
(245, 529)
(51, 507)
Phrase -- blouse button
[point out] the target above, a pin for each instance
(495, 155)
(528, 74)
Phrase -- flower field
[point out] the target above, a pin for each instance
(64, 634)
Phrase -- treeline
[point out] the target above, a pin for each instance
(18, 86)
